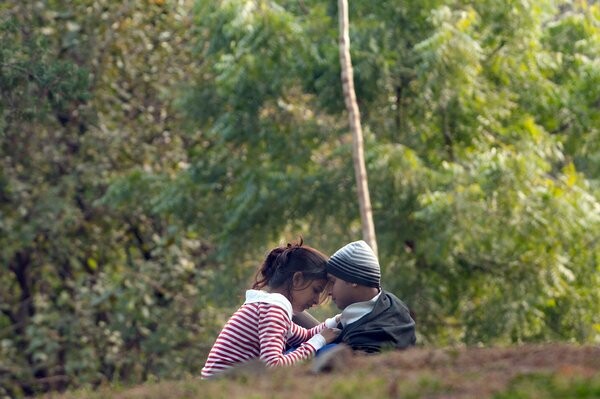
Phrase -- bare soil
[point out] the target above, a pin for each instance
(414, 373)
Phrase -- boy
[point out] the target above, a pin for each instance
(372, 319)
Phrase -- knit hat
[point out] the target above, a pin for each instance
(355, 263)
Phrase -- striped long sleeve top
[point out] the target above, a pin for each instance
(260, 328)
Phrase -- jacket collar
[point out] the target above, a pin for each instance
(382, 303)
(358, 310)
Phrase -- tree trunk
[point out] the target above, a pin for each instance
(360, 171)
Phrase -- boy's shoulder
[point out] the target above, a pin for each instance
(387, 310)
(389, 300)
(388, 324)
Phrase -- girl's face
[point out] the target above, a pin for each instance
(306, 293)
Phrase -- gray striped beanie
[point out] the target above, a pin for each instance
(355, 263)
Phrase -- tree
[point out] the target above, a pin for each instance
(360, 172)
(458, 103)
(89, 137)
(149, 157)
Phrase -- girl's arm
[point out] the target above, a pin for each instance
(300, 334)
(274, 324)
(305, 319)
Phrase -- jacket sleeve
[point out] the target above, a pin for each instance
(299, 334)
(274, 325)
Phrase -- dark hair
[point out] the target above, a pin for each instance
(281, 263)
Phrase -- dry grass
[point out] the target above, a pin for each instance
(512, 372)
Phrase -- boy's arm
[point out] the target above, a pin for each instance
(305, 320)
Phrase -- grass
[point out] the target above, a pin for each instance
(551, 386)
(552, 371)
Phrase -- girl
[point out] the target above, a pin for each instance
(290, 280)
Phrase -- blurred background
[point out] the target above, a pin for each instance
(152, 153)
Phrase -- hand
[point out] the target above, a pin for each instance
(330, 334)
(333, 322)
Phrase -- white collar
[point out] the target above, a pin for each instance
(253, 296)
(358, 310)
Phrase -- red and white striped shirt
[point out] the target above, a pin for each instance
(260, 329)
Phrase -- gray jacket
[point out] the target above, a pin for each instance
(389, 325)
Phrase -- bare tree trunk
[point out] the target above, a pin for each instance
(360, 171)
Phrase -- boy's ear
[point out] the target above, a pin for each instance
(297, 279)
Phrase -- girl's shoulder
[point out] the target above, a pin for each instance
(274, 299)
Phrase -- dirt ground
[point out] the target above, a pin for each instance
(429, 373)
(481, 372)
(456, 373)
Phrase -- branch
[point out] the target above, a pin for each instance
(135, 231)
(24, 71)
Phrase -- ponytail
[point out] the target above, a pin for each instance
(281, 263)
(268, 268)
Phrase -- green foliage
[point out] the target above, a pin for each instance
(551, 386)
(151, 152)
(259, 124)
(93, 288)
(485, 212)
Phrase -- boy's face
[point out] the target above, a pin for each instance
(341, 292)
